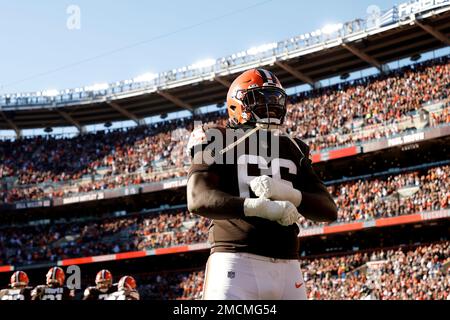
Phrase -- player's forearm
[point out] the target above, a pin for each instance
(215, 204)
(204, 198)
(318, 207)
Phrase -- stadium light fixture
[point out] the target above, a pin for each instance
(202, 64)
(332, 28)
(50, 93)
(97, 87)
(316, 33)
(146, 77)
(262, 48)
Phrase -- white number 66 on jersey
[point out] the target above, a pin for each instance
(272, 170)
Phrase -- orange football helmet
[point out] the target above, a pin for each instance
(127, 283)
(256, 96)
(19, 279)
(104, 279)
(55, 276)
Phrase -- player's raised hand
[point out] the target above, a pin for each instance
(269, 188)
(283, 212)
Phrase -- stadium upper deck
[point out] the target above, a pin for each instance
(403, 31)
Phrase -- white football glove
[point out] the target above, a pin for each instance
(269, 188)
(283, 212)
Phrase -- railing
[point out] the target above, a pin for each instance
(206, 70)
(70, 188)
(312, 231)
(359, 135)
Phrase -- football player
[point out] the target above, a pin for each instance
(103, 287)
(54, 288)
(253, 180)
(126, 290)
(19, 288)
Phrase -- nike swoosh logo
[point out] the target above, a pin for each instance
(298, 285)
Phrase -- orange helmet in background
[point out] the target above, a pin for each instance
(127, 283)
(55, 276)
(19, 279)
(256, 96)
(104, 279)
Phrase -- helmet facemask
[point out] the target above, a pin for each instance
(104, 285)
(266, 105)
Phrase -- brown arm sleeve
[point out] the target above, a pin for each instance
(204, 196)
(317, 204)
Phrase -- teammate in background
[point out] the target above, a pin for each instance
(126, 290)
(253, 199)
(19, 288)
(54, 288)
(103, 287)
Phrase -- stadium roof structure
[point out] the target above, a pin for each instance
(404, 31)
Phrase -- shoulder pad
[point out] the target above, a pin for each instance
(303, 146)
(199, 136)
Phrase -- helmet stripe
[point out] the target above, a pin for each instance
(269, 76)
(263, 75)
(274, 78)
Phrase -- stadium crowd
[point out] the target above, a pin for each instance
(357, 200)
(395, 195)
(327, 117)
(360, 110)
(173, 286)
(50, 243)
(419, 273)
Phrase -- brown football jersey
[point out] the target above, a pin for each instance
(265, 153)
(94, 293)
(45, 292)
(16, 294)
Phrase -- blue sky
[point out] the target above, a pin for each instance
(36, 40)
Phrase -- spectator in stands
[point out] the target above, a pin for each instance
(353, 112)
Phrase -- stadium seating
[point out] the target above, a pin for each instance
(395, 274)
(394, 195)
(398, 274)
(353, 112)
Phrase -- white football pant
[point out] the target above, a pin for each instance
(243, 276)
